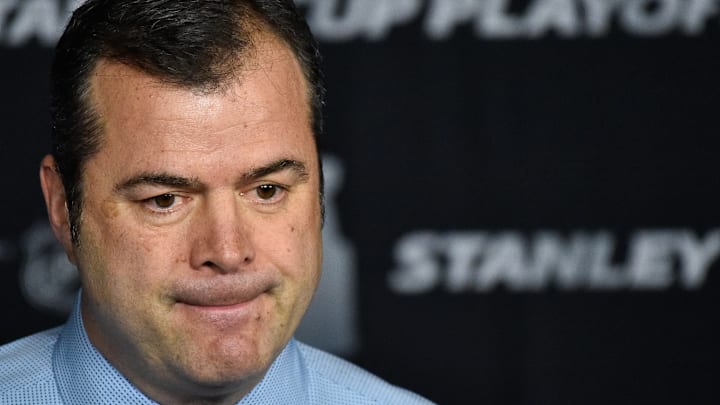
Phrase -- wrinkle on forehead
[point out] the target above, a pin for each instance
(199, 112)
(261, 56)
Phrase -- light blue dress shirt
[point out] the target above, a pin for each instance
(61, 366)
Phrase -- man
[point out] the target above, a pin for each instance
(185, 185)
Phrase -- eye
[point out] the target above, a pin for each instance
(164, 201)
(266, 191)
(267, 194)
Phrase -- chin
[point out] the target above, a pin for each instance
(228, 361)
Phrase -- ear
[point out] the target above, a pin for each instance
(56, 203)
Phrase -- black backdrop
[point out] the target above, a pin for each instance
(523, 204)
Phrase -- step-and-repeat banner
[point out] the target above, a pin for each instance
(522, 196)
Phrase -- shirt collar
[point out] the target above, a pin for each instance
(286, 382)
(82, 374)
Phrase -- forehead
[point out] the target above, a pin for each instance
(264, 102)
(266, 57)
(268, 79)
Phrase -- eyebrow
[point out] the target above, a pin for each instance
(169, 180)
(276, 166)
(159, 179)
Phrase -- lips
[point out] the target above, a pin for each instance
(221, 292)
(221, 307)
(217, 299)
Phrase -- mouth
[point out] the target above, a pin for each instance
(222, 314)
(216, 307)
(222, 305)
(217, 301)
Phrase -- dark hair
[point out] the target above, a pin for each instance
(197, 44)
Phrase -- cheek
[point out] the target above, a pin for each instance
(294, 248)
(121, 252)
(308, 254)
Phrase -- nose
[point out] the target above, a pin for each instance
(221, 239)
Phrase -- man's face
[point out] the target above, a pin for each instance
(200, 241)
